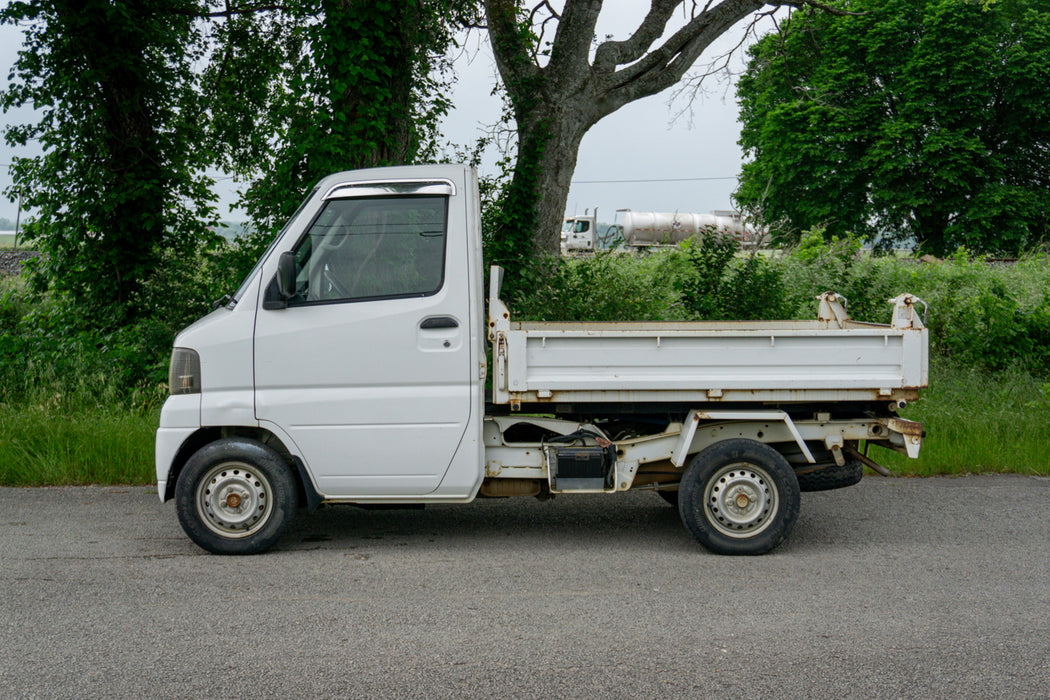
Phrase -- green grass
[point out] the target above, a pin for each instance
(42, 446)
(978, 422)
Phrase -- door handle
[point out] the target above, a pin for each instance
(435, 322)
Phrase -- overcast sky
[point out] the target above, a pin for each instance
(688, 163)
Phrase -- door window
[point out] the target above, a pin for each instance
(373, 248)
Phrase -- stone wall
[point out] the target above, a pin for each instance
(11, 260)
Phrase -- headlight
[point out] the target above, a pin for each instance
(184, 373)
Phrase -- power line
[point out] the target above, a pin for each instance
(670, 179)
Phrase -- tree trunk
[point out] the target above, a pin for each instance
(377, 127)
(125, 236)
(556, 138)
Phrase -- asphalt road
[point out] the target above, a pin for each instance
(893, 588)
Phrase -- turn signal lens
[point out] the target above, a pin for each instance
(184, 373)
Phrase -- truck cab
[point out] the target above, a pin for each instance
(578, 234)
(370, 370)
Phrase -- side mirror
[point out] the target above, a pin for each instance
(286, 275)
(281, 287)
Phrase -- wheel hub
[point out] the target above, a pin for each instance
(741, 500)
(234, 500)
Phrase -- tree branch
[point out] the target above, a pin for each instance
(614, 53)
(551, 17)
(665, 65)
(572, 40)
(509, 47)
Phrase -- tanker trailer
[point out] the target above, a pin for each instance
(645, 229)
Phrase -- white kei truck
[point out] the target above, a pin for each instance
(351, 368)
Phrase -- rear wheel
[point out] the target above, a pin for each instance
(235, 496)
(739, 497)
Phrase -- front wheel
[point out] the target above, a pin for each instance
(235, 496)
(739, 497)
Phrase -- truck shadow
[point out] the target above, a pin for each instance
(593, 520)
(633, 521)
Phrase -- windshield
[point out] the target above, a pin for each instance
(269, 249)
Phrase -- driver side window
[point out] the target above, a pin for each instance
(373, 248)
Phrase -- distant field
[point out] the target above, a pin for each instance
(7, 241)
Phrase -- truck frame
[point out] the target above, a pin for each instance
(351, 368)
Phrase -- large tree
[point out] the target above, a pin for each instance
(129, 124)
(561, 88)
(924, 119)
(309, 87)
(117, 183)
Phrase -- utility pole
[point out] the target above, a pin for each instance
(18, 217)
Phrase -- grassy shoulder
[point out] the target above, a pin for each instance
(41, 446)
(979, 422)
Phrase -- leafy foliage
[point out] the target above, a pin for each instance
(288, 93)
(924, 119)
(118, 182)
(49, 357)
(319, 86)
(700, 279)
(603, 287)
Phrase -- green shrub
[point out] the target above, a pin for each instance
(987, 316)
(74, 400)
(607, 286)
(752, 289)
(700, 266)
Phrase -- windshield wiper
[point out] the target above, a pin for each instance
(226, 300)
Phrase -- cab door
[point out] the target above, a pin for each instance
(368, 368)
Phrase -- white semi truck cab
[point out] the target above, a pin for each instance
(350, 368)
(579, 234)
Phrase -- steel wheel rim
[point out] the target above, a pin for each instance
(741, 500)
(234, 500)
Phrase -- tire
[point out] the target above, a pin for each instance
(670, 496)
(832, 477)
(739, 497)
(235, 496)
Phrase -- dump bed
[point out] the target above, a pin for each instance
(832, 358)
